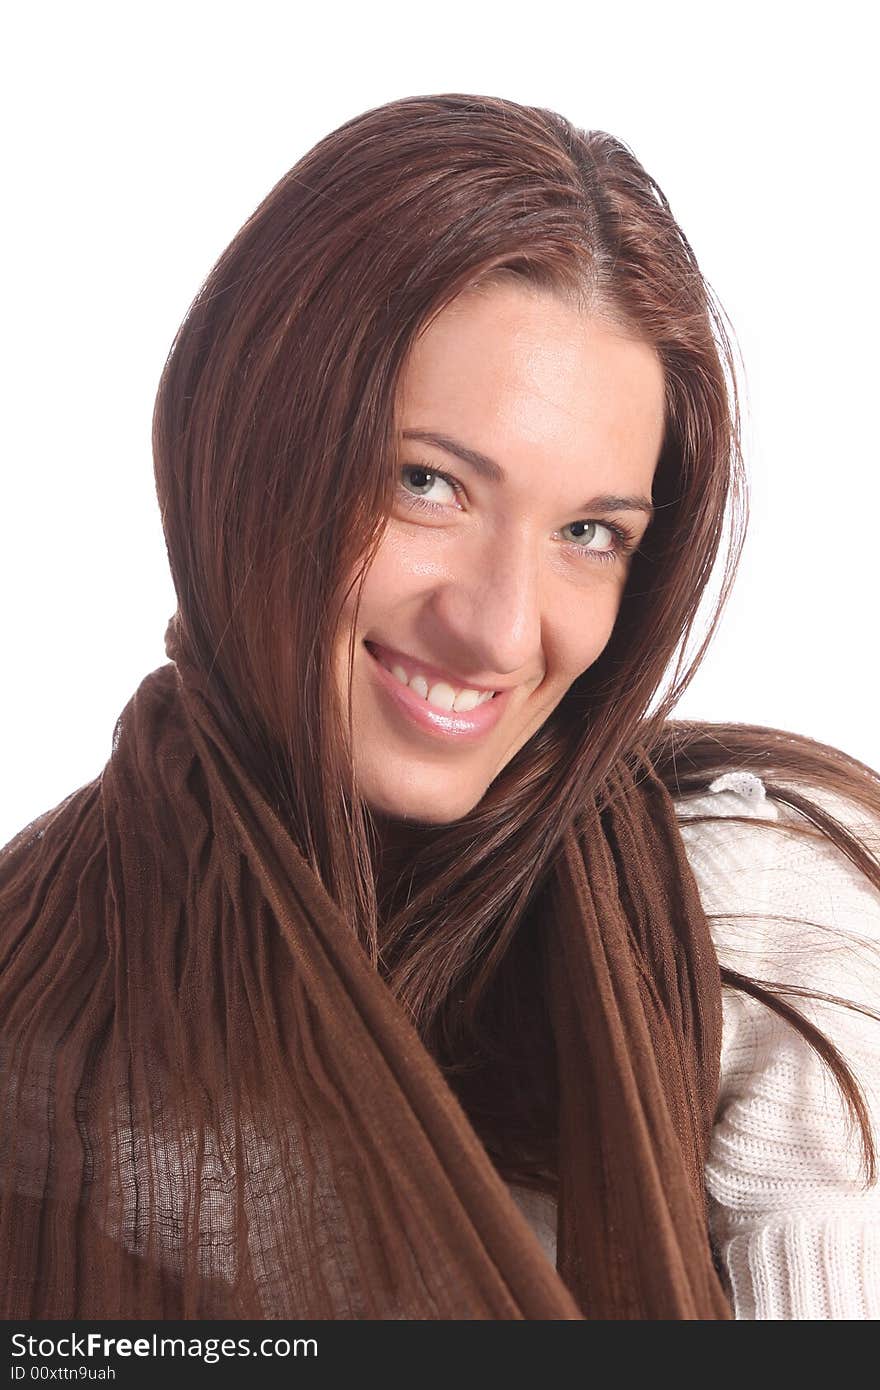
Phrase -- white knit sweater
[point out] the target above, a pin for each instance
(797, 1233)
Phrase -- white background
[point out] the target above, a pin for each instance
(137, 141)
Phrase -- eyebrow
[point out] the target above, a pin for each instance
(492, 472)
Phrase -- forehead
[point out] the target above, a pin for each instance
(516, 369)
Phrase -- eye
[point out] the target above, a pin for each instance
(427, 478)
(419, 476)
(619, 537)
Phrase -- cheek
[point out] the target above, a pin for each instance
(586, 631)
(386, 582)
(397, 585)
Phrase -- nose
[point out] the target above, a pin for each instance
(488, 613)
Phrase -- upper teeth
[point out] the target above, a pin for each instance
(441, 693)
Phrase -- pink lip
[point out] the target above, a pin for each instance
(472, 725)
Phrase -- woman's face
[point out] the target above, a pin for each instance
(504, 575)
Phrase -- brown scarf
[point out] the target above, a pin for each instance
(213, 1106)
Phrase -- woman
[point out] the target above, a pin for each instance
(396, 949)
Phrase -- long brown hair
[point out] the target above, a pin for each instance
(275, 443)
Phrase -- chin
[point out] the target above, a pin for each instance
(422, 809)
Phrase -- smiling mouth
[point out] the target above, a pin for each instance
(430, 683)
(435, 721)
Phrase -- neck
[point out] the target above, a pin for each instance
(398, 841)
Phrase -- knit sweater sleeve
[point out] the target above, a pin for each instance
(797, 1231)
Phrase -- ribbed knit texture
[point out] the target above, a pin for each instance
(797, 1234)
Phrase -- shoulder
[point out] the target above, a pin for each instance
(780, 894)
(796, 1228)
(786, 906)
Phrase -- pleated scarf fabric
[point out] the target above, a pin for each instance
(214, 1107)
